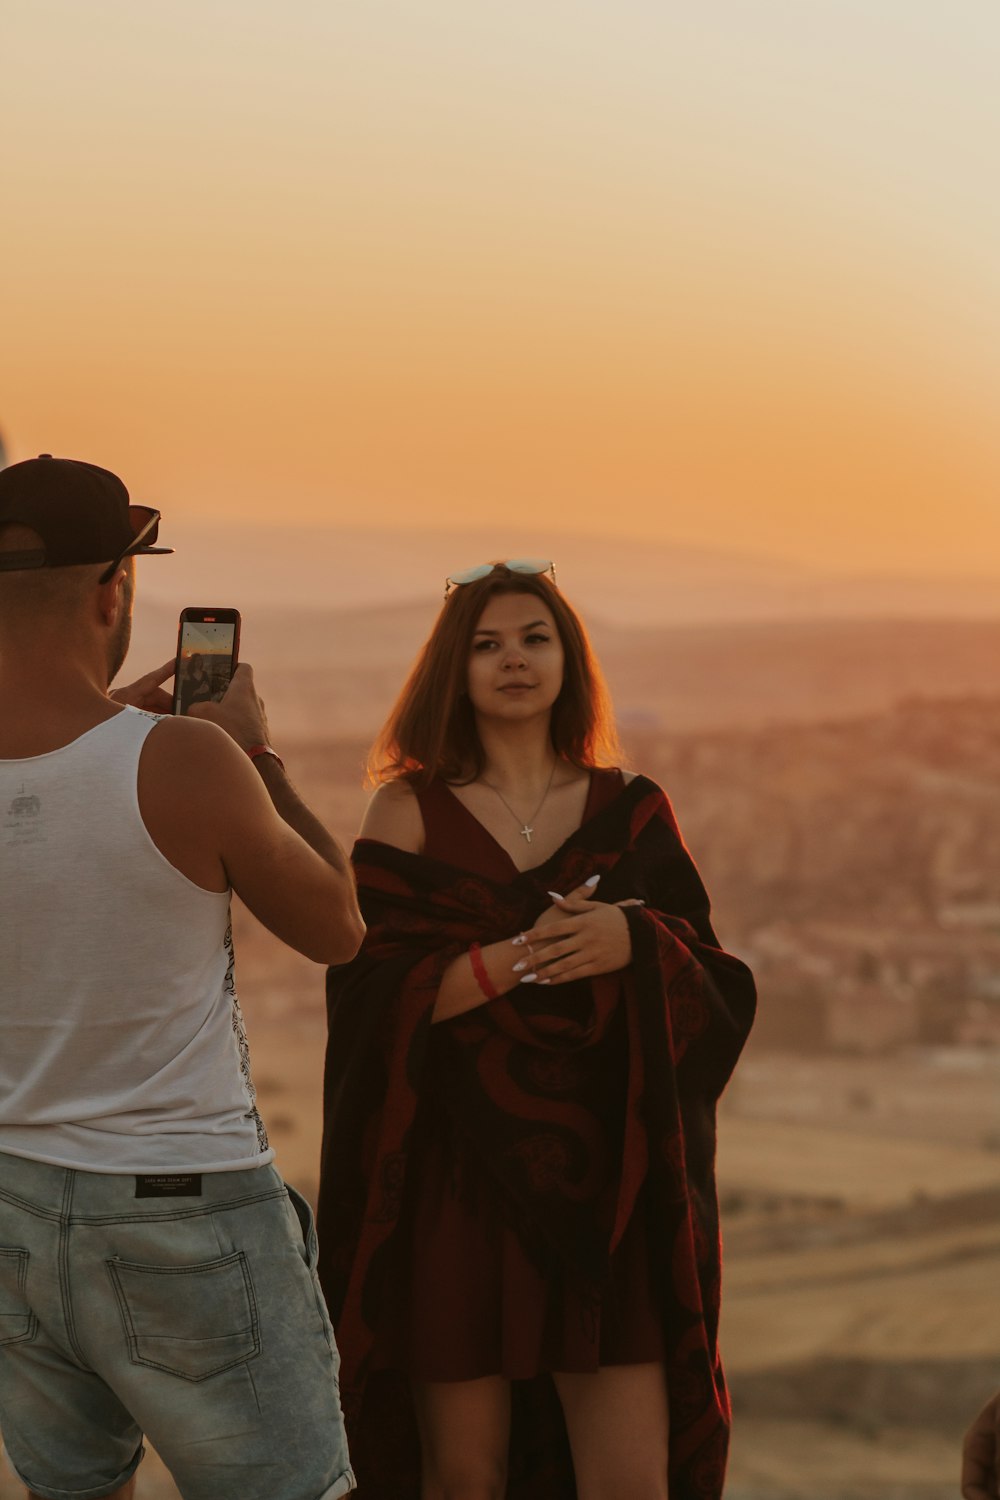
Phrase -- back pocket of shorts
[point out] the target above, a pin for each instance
(192, 1321)
(18, 1323)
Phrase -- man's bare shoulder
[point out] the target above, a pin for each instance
(196, 758)
(195, 785)
(192, 742)
(393, 817)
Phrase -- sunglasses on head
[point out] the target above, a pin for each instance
(145, 523)
(529, 566)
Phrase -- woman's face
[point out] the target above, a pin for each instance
(516, 659)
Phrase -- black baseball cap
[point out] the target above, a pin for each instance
(82, 514)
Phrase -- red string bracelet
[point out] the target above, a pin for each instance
(255, 751)
(482, 977)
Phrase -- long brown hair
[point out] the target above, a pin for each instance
(431, 730)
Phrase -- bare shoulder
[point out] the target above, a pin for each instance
(198, 768)
(393, 817)
(195, 786)
(194, 747)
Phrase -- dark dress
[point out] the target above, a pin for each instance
(472, 1300)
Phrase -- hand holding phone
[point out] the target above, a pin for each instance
(207, 650)
(241, 712)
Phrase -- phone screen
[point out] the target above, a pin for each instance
(204, 661)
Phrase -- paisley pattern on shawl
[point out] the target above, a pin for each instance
(517, 1088)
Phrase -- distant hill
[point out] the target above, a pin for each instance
(623, 579)
(330, 673)
(885, 820)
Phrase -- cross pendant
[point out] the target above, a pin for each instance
(527, 832)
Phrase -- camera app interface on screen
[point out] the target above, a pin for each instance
(206, 662)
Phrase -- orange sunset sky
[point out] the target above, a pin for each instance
(727, 274)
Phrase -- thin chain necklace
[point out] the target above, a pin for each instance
(527, 829)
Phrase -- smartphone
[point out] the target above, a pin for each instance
(208, 642)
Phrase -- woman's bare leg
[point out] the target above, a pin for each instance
(464, 1433)
(618, 1425)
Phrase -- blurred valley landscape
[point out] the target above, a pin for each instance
(837, 779)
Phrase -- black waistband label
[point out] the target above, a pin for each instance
(169, 1185)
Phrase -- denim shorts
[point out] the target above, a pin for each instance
(187, 1310)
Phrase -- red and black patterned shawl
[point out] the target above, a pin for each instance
(687, 1009)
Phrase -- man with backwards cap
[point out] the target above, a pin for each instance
(156, 1275)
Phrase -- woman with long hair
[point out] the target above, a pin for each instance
(518, 1219)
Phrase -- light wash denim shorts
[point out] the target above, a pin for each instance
(195, 1319)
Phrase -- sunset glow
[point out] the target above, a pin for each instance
(729, 277)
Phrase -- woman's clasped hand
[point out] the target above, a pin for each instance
(575, 938)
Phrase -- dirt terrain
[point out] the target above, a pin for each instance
(861, 1325)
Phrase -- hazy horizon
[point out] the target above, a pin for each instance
(609, 577)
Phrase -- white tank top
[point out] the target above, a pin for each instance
(122, 1046)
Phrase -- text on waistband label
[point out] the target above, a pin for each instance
(168, 1185)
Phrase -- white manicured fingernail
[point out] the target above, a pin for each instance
(545, 981)
(528, 978)
(522, 965)
(519, 940)
(592, 881)
(556, 896)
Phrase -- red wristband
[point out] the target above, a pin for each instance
(258, 750)
(483, 979)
